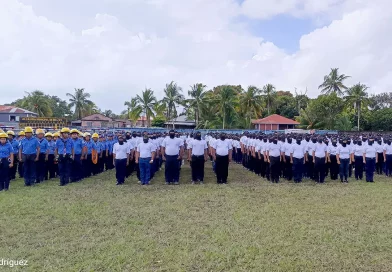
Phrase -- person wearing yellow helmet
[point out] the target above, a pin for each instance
(97, 152)
(77, 173)
(6, 161)
(50, 172)
(15, 146)
(64, 153)
(29, 150)
(41, 167)
(88, 146)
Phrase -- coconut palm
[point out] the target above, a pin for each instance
(173, 97)
(269, 96)
(146, 102)
(37, 102)
(133, 110)
(196, 102)
(358, 97)
(333, 83)
(226, 100)
(80, 100)
(251, 104)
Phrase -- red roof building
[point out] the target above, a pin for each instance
(274, 122)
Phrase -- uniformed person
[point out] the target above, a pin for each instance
(388, 157)
(274, 158)
(334, 167)
(222, 154)
(64, 154)
(357, 158)
(120, 159)
(6, 161)
(98, 150)
(370, 159)
(288, 166)
(197, 155)
(77, 173)
(145, 155)
(109, 152)
(50, 169)
(172, 151)
(343, 157)
(43, 156)
(319, 160)
(15, 146)
(380, 156)
(88, 147)
(21, 136)
(29, 150)
(297, 159)
(102, 156)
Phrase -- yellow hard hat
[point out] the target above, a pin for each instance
(28, 130)
(3, 135)
(65, 130)
(39, 131)
(74, 131)
(86, 134)
(48, 134)
(95, 135)
(22, 133)
(56, 134)
(10, 132)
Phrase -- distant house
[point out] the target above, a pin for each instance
(141, 122)
(181, 122)
(11, 114)
(274, 122)
(121, 123)
(95, 121)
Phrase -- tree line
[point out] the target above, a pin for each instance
(338, 107)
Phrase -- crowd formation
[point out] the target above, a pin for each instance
(73, 156)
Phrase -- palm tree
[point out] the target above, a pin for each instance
(269, 95)
(358, 97)
(226, 100)
(333, 83)
(251, 103)
(133, 110)
(80, 100)
(172, 98)
(195, 103)
(146, 102)
(160, 109)
(37, 102)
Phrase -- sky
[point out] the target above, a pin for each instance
(117, 48)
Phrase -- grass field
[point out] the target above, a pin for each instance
(247, 225)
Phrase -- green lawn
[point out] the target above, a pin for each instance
(248, 225)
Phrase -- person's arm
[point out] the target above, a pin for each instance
(163, 153)
(230, 154)
(20, 153)
(11, 159)
(137, 155)
(127, 159)
(291, 158)
(385, 154)
(314, 156)
(181, 153)
(268, 158)
(205, 154)
(364, 157)
(376, 157)
(338, 158)
(47, 151)
(38, 151)
(326, 157)
(329, 157)
(114, 155)
(189, 153)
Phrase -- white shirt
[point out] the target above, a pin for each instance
(198, 147)
(320, 149)
(310, 147)
(332, 150)
(379, 147)
(222, 147)
(286, 148)
(274, 149)
(343, 152)
(121, 151)
(172, 146)
(298, 150)
(370, 151)
(145, 149)
(358, 150)
(388, 149)
(130, 146)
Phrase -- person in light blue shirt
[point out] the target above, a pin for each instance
(6, 161)
(77, 173)
(64, 152)
(29, 150)
(51, 170)
(109, 152)
(88, 147)
(102, 160)
(15, 146)
(41, 168)
(98, 148)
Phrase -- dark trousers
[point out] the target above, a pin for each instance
(29, 169)
(50, 169)
(262, 166)
(65, 164)
(222, 168)
(358, 167)
(334, 167)
(298, 166)
(319, 167)
(275, 168)
(197, 168)
(370, 167)
(109, 162)
(121, 168)
(288, 169)
(4, 174)
(388, 165)
(130, 168)
(12, 171)
(239, 155)
(20, 169)
(77, 172)
(380, 163)
(145, 167)
(95, 167)
(102, 162)
(40, 168)
(172, 168)
(343, 169)
(87, 166)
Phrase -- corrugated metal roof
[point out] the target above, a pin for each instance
(275, 119)
(12, 109)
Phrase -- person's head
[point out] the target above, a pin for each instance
(48, 136)
(120, 139)
(198, 136)
(28, 132)
(128, 135)
(320, 140)
(334, 142)
(371, 141)
(172, 133)
(64, 132)
(299, 140)
(11, 135)
(87, 136)
(145, 138)
(222, 136)
(95, 137)
(3, 138)
(344, 142)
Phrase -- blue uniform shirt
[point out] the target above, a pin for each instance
(43, 143)
(5, 150)
(109, 146)
(90, 146)
(29, 146)
(64, 147)
(51, 147)
(98, 146)
(15, 146)
(78, 146)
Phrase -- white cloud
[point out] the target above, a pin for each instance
(130, 45)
